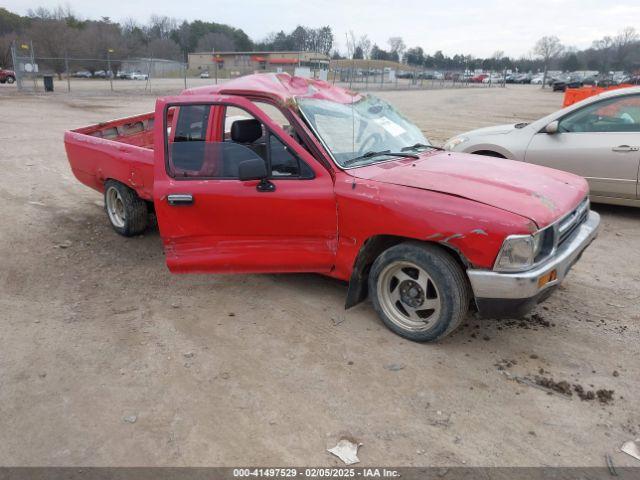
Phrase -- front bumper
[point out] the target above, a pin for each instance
(513, 294)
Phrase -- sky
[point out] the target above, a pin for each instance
(479, 28)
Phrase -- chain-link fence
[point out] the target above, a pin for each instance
(153, 75)
(387, 78)
(67, 74)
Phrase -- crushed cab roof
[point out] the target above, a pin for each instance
(281, 87)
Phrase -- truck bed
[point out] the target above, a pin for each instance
(120, 149)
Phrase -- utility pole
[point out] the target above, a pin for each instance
(366, 78)
(186, 65)
(350, 50)
(66, 69)
(16, 67)
(109, 52)
(33, 66)
(215, 64)
(150, 64)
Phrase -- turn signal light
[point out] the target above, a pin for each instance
(546, 278)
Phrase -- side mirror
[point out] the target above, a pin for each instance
(254, 169)
(551, 128)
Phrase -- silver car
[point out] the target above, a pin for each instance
(597, 138)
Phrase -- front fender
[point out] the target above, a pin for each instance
(490, 147)
(374, 216)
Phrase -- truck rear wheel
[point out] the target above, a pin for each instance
(419, 291)
(127, 212)
(10, 80)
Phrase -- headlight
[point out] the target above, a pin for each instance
(454, 142)
(519, 252)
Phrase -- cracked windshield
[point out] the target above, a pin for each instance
(366, 131)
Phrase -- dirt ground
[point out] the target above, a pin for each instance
(106, 359)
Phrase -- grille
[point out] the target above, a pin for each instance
(572, 221)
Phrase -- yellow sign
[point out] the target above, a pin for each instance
(25, 46)
(111, 50)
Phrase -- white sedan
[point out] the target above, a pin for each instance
(139, 76)
(597, 138)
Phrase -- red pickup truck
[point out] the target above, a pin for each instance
(273, 173)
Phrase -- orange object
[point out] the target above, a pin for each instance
(547, 277)
(574, 95)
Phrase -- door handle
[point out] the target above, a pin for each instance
(180, 199)
(625, 148)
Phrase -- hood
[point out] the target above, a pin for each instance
(538, 193)
(495, 130)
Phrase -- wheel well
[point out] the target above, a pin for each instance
(370, 250)
(113, 180)
(489, 153)
(151, 208)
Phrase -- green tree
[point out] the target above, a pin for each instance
(414, 56)
(570, 62)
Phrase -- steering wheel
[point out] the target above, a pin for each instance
(373, 139)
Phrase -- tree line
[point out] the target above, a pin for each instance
(58, 33)
(620, 52)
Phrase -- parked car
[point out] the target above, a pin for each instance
(100, 74)
(7, 76)
(606, 82)
(139, 76)
(493, 78)
(266, 173)
(536, 80)
(523, 78)
(562, 85)
(82, 74)
(597, 138)
(123, 75)
(204, 74)
(478, 78)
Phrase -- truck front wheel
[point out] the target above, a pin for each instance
(419, 291)
(127, 212)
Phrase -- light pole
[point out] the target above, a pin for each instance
(109, 52)
(66, 68)
(215, 63)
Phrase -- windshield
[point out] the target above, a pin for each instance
(355, 132)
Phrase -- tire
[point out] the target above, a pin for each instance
(419, 291)
(127, 212)
(10, 80)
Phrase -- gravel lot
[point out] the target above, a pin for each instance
(106, 359)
